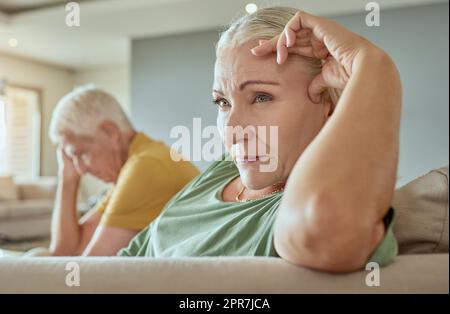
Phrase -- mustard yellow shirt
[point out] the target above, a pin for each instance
(148, 179)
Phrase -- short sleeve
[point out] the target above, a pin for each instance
(143, 188)
(103, 203)
(387, 250)
(138, 245)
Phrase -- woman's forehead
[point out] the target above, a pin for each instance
(236, 59)
(235, 65)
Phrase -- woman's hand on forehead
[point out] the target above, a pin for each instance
(315, 37)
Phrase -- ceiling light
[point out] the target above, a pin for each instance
(12, 42)
(251, 8)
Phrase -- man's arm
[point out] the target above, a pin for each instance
(73, 237)
(69, 235)
(108, 240)
(142, 190)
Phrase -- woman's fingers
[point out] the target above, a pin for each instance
(291, 29)
(306, 51)
(302, 24)
(315, 37)
(304, 47)
(320, 50)
(297, 33)
(309, 21)
(306, 32)
(335, 74)
(282, 52)
(332, 75)
(266, 47)
(276, 44)
(303, 41)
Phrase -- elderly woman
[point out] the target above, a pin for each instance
(95, 136)
(335, 99)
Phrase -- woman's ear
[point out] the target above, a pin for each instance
(328, 105)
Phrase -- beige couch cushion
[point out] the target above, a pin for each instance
(422, 214)
(42, 188)
(25, 209)
(201, 275)
(8, 190)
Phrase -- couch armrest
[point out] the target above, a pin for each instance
(409, 273)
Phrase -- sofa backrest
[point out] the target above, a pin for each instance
(43, 188)
(421, 206)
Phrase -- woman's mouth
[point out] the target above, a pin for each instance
(249, 159)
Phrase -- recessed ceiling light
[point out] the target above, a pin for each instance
(12, 42)
(251, 8)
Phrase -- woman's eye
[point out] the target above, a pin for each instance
(262, 98)
(222, 103)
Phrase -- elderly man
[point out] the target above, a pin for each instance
(94, 136)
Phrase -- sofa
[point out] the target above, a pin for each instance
(422, 266)
(26, 208)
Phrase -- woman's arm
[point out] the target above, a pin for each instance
(341, 187)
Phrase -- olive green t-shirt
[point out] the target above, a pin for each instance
(197, 222)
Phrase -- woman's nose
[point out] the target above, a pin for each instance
(234, 117)
(237, 128)
(233, 122)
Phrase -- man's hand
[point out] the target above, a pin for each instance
(66, 168)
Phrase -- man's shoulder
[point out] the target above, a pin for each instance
(143, 146)
(154, 151)
(142, 164)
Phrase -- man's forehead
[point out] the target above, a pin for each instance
(73, 140)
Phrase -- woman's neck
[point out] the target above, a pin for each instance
(249, 194)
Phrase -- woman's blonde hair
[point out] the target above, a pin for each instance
(265, 24)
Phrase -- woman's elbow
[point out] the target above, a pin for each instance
(321, 237)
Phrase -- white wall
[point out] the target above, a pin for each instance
(417, 39)
(113, 79)
(171, 81)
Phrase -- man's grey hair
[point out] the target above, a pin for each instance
(83, 110)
